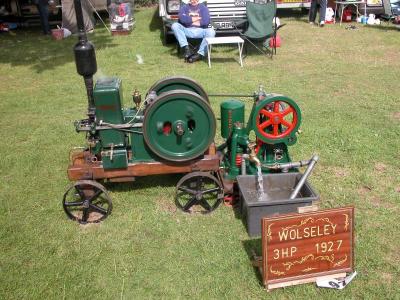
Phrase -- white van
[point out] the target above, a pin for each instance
(223, 13)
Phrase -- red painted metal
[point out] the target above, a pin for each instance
(276, 118)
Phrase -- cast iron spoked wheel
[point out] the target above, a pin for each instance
(199, 192)
(276, 119)
(87, 201)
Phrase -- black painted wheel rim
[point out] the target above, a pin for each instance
(87, 201)
(198, 192)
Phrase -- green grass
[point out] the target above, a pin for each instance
(346, 84)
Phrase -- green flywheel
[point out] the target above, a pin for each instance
(178, 83)
(179, 125)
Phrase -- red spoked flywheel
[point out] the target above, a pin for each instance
(276, 118)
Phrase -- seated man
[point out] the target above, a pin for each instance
(194, 19)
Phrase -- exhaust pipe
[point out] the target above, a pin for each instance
(85, 58)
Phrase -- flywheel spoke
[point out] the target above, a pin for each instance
(276, 106)
(275, 129)
(286, 123)
(265, 124)
(287, 111)
(266, 113)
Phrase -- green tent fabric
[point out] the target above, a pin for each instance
(260, 19)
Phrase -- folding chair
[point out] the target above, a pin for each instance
(260, 26)
(389, 15)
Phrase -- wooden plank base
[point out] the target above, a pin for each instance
(83, 166)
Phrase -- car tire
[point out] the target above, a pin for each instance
(167, 38)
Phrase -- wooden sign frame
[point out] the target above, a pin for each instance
(299, 248)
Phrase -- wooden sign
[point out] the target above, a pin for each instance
(306, 246)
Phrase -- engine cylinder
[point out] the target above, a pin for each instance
(232, 111)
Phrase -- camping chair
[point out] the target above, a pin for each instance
(260, 26)
(389, 14)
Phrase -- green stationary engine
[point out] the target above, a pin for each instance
(172, 131)
(274, 120)
(174, 123)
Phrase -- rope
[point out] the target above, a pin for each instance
(91, 4)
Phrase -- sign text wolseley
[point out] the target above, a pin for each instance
(301, 246)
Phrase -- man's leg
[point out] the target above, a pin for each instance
(179, 32)
(322, 12)
(180, 35)
(200, 33)
(208, 32)
(313, 11)
(44, 16)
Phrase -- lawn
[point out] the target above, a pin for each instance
(346, 84)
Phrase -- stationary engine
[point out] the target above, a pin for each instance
(174, 123)
(172, 131)
(274, 120)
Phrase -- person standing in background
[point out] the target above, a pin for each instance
(43, 8)
(313, 11)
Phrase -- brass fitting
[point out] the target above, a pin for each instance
(253, 156)
(137, 98)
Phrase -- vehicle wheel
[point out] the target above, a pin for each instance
(167, 38)
(305, 10)
(87, 201)
(199, 192)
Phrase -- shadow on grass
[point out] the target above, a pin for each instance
(28, 47)
(386, 27)
(156, 22)
(298, 13)
(145, 182)
(253, 247)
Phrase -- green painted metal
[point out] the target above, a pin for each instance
(239, 141)
(271, 150)
(114, 159)
(232, 112)
(107, 96)
(140, 151)
(179, 125)
(178, 83)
